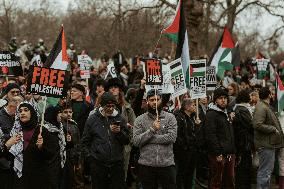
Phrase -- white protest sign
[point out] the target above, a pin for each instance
(111, 70)
(177, 78)
(197, 80)
(211, 80)
(84, 59)
(167, 86)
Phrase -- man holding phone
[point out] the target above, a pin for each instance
(103, 141)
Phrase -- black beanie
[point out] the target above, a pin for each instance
(79, 87)
(153, 92)
(220, 92)
(108, 98)
(11, 86)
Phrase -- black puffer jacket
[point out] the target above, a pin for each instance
(187, 134)
(100, 143)
(219, 133)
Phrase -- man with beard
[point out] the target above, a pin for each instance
(268, 136)
(154, 135)
(219, 137)
(105, 135)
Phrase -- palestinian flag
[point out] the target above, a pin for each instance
(226, 55)
(197, 70)
(177, 33)
(58, 58)
(280, 94)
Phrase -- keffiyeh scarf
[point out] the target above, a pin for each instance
(17, 149)
(62, 143)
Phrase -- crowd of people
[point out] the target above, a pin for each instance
(112, 133)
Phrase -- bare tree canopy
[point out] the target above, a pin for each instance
(134, 26)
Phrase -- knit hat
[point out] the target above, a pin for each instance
(79, 87)
(11, 86)
(220, 92)
(114, 82)
(153, 93)
(108, 98)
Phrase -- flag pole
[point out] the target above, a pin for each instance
(157, 43)
(42, 117)
(197, 109)
(156, 102)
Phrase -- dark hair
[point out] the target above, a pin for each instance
(264, 93)
(243, 97)
(186, 102)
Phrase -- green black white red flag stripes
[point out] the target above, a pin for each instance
(177, 33)
(225, 55)
(58, 58)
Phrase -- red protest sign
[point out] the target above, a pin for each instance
(153, 68)
(48, 82)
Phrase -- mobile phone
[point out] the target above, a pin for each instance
(116, 123)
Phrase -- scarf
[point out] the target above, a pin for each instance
(1, 140)
(62, 143)
(17, 149)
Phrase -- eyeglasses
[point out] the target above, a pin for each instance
(14, 92)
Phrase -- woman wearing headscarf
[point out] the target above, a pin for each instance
(57, 161)
(32, 148)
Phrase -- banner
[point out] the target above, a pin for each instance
(10, 64)
(197, 78)
(211, 80)
(262, 65)
(153, 69)
(178, 78)
(48, 82)
(85, 63)
(167, 86)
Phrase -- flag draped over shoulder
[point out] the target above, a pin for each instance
(226, 55)
(58, 58)
(280, 93)
(177, 33)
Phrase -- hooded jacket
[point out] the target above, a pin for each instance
(219, 133)
(100, 143)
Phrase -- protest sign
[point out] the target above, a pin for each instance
(153, 69)
(211, 80)
(166, 86)
(178, 78)
(36, 61)
(262, 65)
(197, 78)
(111, 70)
(10, 64)
(84, 59)
(48, 82)
(85, 63)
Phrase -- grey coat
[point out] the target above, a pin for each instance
(156, 147)
(266, 125)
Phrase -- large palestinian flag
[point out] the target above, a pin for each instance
(57, 57)
(178, 34)
(280, 93)
(225, 55)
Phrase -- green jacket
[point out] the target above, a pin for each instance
(266, 125)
